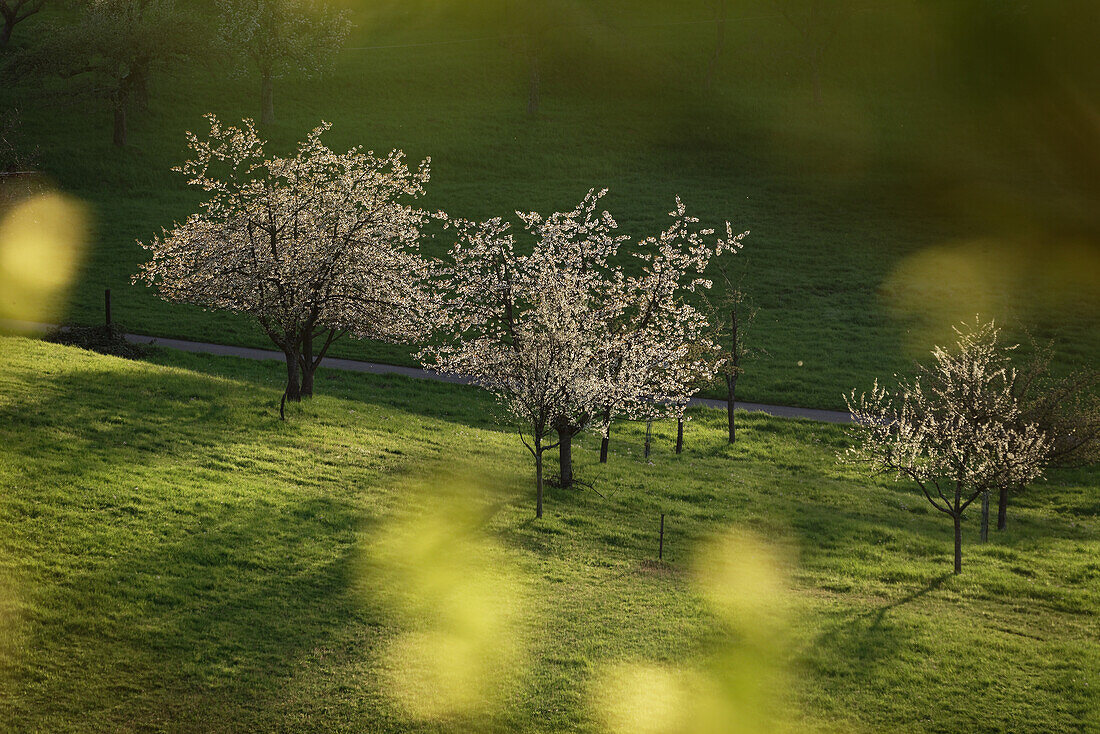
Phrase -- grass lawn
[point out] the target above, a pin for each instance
(172, 557)
(878, 218)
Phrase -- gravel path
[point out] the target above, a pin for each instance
(352, 365)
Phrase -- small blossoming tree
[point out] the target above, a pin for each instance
(954, 430)
(563, 336)
(531, 328)
(314, 246)
(1066, 409)
(661, 349)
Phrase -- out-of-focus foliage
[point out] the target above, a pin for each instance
(42, 240)
(1036, 280)
(460, 599)
(741, 686)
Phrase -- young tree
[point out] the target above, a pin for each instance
(1067, 410)
(277, 37)
(531, 328)
(955, 430)
(720, 8)
(818, 23)
(731, 313)
(116, 45)
(314, 246)
(661, 349)
(529, 24)
(16, 11)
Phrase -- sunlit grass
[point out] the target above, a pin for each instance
(173, 556)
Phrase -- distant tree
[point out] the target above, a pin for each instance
(534, 26)
(720, 8)
(277, 37)
(818, 24)
(956, 430)
(314, 246)
(115, 44)
(13, 12)
(1067, 410)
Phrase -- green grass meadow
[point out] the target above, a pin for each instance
(173, 557)
(910, 198)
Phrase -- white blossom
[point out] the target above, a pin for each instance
(955, 430)
(314, 245)
(562, 335)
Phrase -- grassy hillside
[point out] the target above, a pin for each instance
(915, 194)
(174, 557)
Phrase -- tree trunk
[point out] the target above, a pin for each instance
(538, 478)
(958, 544)
(679, 434)
(5, 33)
(307, 381)
(120, 124)
(267, 99)
(307, 365)
(534, 84)
(985, 516)
(293, 377)
(648, 436)
(606, 441)
(139, 84)
(565, 456)
(1002, 508)
(731, 393)
(731, 378)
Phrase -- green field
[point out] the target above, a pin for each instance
(910, 198)
(173, 557)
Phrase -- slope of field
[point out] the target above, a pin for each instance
(172, 556)
(879, 217)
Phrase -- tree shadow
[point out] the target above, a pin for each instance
(863, 641)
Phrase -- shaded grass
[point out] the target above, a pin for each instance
(174, 557)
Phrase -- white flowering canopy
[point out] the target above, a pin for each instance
(956, 428)
(317, 241)
(563, 335)
(661, 348)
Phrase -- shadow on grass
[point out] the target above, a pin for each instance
(863, 641)
(175, 574)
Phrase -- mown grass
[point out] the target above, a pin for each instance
(837, 196)
(174, 557)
